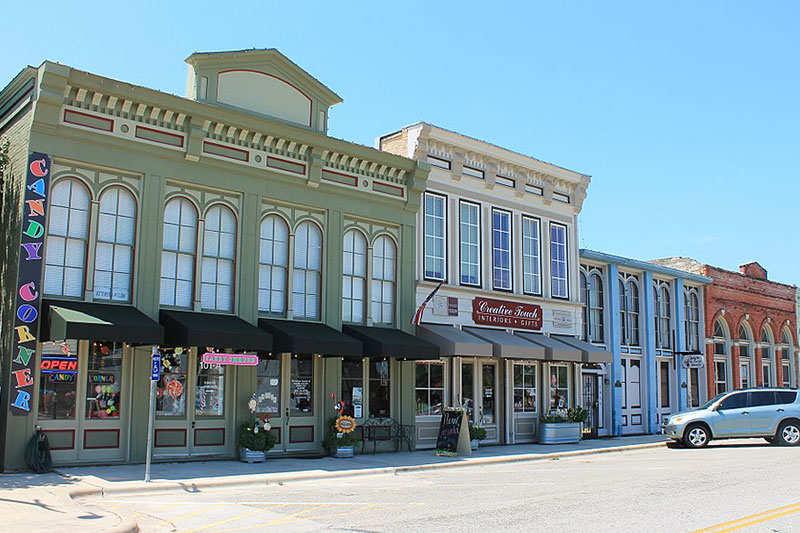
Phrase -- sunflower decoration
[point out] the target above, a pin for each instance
(345, 424)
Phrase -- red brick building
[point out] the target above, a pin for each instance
(750, 324)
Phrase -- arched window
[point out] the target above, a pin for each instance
(307, 271)
(273, 265)
(219, 252)
(596, 329)
(113, 256)
(691, 306)
(67, 235)
(787, 361)
(721, 356)
(585, 301)
(745, 352)
(383, 276)
(663, 329)
(629, 310)
(354, 276)
(178, 253)
(623, 323)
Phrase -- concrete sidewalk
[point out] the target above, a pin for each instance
(93, 481)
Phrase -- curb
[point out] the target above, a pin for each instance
(134, 487)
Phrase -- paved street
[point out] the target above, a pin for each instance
(738, 485)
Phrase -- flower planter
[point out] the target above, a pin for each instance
(247, 455)
(344, 451)
(559, 432)
(474, 444)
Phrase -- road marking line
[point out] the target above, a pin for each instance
(184, 516)
(289, 518)
(253, 502)
(238, 517)
(795, 507)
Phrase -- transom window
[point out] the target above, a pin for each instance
(470, 249)
(531, 256)
(307, 271)
(434, 245)
(178, 253)
(354, 276)
(383, 280)
(558, 261)
(67, 236)
(273, 265)
(114, 251)
(219, 250)
(501, 249)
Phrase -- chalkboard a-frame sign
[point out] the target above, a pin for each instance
(453, 433)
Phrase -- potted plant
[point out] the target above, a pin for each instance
(340, 438)
(255, 440)
(562, 426)
(476, 435)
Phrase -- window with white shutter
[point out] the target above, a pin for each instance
(178, 253)
(354, 276)
(273, 265)
(219, 251)
(307, 271)
(68, 231)
(383, 276)
(116, 229)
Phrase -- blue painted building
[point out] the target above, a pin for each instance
(643, 314)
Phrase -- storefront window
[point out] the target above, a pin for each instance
(430, 388)
(694, 387)
(171, 392)
(58, 380)
(104, 380)
(353, 387)
(720, 377)
(379, 388)
(559, 387)
(489, 371)
(524, 388)
(467, 388)
(268, 386)
(209, 399)
(302, 385)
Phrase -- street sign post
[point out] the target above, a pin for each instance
(155, 375)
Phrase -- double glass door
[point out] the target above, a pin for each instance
(478, 394)
(632, 396)
(193, 405)
(288, 394)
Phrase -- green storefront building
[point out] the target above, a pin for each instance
(203, 229)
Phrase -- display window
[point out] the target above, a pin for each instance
(268, 386)
(171, 390)
(353, 387)
(524, 388)
(104, 380)
(302, 386)
(58, 382)
(379, 388)
(209, 398)
(559, 387)
(429, 388)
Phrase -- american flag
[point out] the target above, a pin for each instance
(418, 315)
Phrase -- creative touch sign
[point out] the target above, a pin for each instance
(236, 359)
(491, 312)
(26, 321)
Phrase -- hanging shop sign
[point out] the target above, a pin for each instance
(491, 312)
(234, 359)
(26, 321)
(693, 361)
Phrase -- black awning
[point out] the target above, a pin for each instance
(310, 337)
(389, 342)
(65, 319)
(186, 328)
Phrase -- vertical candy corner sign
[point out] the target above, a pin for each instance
(29, 298)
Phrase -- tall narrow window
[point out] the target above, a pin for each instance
(116, 228)
(354, 276)
(68, 231)
(177, 255)
(662, 315)
(585, 301)
(501, 249)
(470, 250)
(596, 333)
(434, 245)
(623, 306)
(219, 251)
(558, 261)
(785, 352)
(273, 265)
(692, 319)
(531, 256)
(307, 271)
(767, 349)
(383, 276)
(632, 297)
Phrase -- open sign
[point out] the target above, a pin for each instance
(59, 364)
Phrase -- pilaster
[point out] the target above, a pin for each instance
(679, 319)
(616, 352)
(651, 377)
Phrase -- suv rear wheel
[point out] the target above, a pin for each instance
(696, 436)
(788, 433)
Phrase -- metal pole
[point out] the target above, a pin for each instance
(150, 423)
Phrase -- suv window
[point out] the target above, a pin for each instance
(734, 401)
(761, 398)
(786, 396)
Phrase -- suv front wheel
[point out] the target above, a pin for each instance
(696, 436)
(788, 433)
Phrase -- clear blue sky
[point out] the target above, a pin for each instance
(686, 114)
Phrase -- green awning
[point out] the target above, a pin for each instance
(390, 342)
(294, 336)
(63, 319)
(187, 328)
